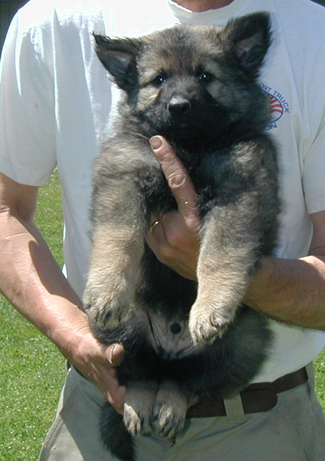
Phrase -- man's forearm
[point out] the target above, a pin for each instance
(33, 282)
(291, 291)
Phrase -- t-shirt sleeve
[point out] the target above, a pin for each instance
(313, 146)
(27, 104)
(314, 174)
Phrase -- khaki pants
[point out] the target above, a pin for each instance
(292, 431)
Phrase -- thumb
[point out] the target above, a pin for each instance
(116, 354)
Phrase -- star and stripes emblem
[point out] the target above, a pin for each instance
(278, 106)
(276, 109)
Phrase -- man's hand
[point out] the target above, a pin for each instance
(97, 363)
(175, 240)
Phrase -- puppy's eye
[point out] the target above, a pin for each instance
(159, 80)
(205, 77)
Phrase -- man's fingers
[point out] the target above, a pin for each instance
(174, 237)
(176, 175)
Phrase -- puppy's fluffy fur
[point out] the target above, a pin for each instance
(196, 86)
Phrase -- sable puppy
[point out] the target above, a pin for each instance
(197, 86)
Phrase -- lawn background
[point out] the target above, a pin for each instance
(32, 371)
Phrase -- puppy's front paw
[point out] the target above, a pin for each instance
(206, 324)
(113, 280)
(107, 306)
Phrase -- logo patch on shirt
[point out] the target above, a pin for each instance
(278, 106)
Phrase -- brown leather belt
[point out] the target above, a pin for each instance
(256, 398)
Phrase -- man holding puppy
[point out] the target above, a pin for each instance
(56, 104)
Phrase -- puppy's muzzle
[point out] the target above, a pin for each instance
(178, 106)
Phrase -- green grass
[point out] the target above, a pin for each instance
(32, 370)
(320, 378)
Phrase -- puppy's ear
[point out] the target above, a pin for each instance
(250, 37)
(118, 56)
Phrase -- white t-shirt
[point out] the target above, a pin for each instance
(56, 103)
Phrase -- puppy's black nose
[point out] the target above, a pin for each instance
(179, 106)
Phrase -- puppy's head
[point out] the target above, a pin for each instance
(193, 81)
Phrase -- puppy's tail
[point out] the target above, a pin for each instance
(114, 434)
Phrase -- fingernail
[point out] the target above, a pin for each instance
(155, 142)
(110, 354)
(116, 355)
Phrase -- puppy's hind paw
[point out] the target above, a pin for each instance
(138, 407)
(169, 411)
(168, 421)
(136, 422)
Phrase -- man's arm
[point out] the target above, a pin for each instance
(288, 290)
(293, 290)
(33, 282)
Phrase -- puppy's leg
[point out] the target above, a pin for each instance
(170, 410)
(114, 274)
(231, 237)
(138, 406)
(118, 246)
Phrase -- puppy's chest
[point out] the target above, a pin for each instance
(169, 337)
